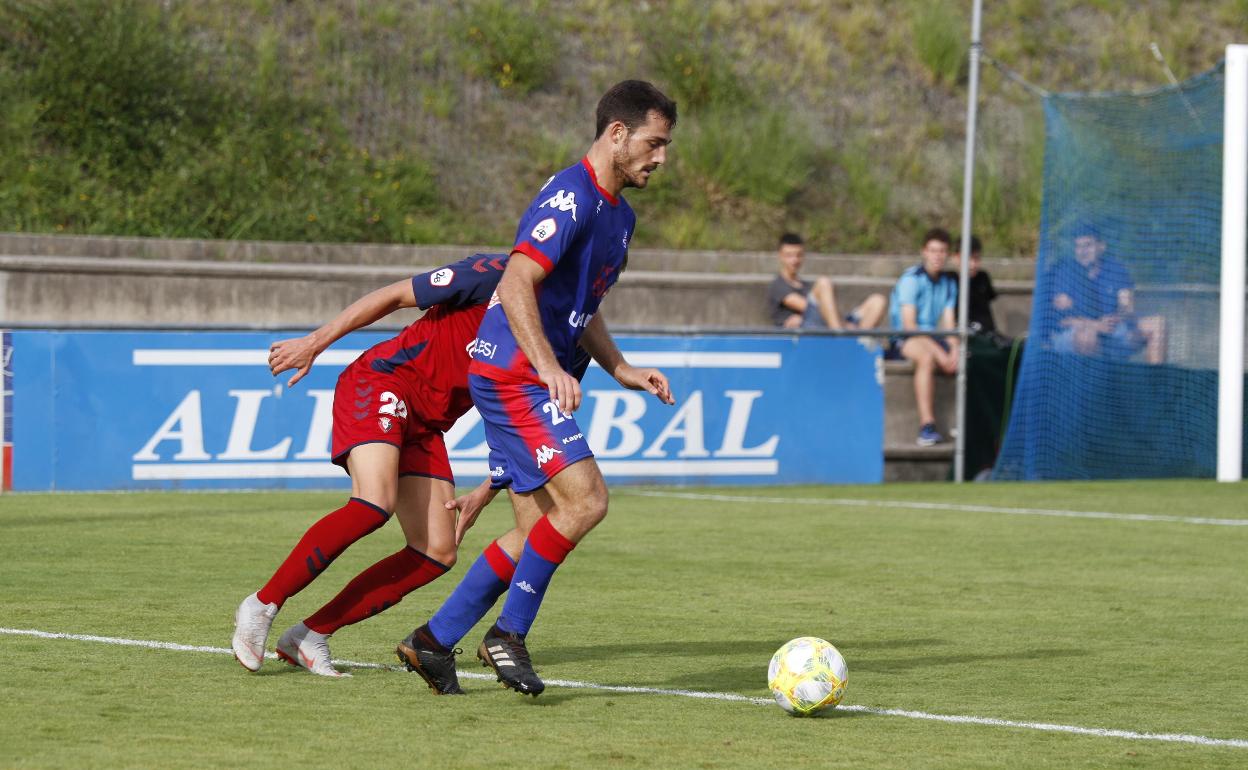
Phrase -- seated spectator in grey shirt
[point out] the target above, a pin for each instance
(794, 303)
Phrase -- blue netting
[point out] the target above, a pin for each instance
(1130, 234)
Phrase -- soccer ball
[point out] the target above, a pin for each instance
(807, 675)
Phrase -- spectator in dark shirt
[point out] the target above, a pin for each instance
(980, 290)
(794, 303)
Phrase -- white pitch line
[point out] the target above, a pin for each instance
(1097, 732)
(919, 505)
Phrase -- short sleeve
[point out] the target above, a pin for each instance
(907, 290)
(470, 281)
(553, 223)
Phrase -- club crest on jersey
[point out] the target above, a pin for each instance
(545, 453)
(442, 277)
(385, 424)
(545, 229)
(562, 201)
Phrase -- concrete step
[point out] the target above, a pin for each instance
(901, 414)
(916, 463)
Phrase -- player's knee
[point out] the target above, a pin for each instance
(823, 285)
(444, 554)
(385, 499)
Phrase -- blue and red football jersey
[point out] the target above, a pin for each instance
(579, 233)
(430, 356)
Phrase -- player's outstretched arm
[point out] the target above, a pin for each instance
(598, 342)
(469, 507)
(517, 290)
(299, 353)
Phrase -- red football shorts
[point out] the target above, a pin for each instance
(372, 407)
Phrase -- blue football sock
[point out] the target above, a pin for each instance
(473, 597)
(533, 574)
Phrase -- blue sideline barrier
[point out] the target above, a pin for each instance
(110, 410)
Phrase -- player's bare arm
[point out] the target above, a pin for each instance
(299, 353)
(598, 342)
(469, 507)
(517, 290)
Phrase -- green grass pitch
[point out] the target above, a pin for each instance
(981, 606)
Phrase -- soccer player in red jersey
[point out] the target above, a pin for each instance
(391, 407)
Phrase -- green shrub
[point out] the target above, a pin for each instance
(689, 60)
(512, 43)
(755, 153)
(120, 87)
(940, 40)
(115, 121)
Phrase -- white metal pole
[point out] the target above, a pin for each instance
(1234, 217)
(964, 280)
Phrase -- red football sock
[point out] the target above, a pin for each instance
(376, 589)
(320, 545)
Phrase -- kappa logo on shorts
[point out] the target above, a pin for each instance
(544, 230)
(545, 453)
(443, 277)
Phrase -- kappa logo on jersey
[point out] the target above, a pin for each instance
(570, 439)
(626, 240)
(562, 201)
(443, 277)
(545, 229)
(545, 453)
(599, 209)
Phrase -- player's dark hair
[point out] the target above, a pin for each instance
(630, 102)
(937, 234)
(791, 239)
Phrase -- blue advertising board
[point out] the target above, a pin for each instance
(101, 410)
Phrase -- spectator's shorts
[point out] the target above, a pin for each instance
(1123, 342)
(813, 319)
(893, 351)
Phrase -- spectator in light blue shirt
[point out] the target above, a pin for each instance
(924, 300)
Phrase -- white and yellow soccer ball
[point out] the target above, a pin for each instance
(807, 675)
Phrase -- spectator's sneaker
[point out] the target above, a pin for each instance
(928, 436)
(436, 668)
(252, 621)
(303, 647)
(507, 655)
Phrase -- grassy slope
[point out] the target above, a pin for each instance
(842, 119)
(1100, 623)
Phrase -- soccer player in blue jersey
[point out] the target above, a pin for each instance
(571, 245)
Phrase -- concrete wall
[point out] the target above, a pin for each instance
(133, 281)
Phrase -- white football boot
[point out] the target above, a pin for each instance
(303, 647)
(252, 621)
